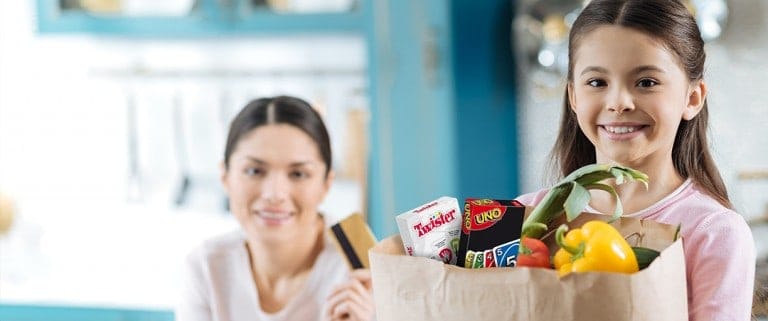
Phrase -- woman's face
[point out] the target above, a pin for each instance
(275, 182)
(629, 94)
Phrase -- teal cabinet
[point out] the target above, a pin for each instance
(413, 116)
(443, 104)
(19, 312)
(204, 18)
(485, 98)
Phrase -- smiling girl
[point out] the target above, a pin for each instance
(280, 265)
(636, 97)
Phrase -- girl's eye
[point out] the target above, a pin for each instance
(647, 83)
(253, 171)
(596, 83)
(298, 175)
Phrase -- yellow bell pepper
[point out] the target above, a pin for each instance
(596, 246)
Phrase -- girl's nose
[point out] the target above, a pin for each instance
(275, 188)
(619, 101)
(621, 108)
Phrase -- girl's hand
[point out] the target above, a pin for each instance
(352, 300)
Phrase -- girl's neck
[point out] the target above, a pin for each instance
(663, 180)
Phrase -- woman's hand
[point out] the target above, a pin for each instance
(352, 300)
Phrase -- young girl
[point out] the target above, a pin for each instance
(636, 97)
(280, 265)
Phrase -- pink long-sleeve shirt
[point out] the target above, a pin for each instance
(719, 251)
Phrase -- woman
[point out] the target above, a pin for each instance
(280, 266)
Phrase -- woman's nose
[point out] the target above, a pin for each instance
(275, 188)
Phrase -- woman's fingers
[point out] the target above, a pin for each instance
(364, 276)
(352, 312)
(352, 300)
(349, 293)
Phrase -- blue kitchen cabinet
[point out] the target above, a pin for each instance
(24, 312)
(442, 81)
(205, 18)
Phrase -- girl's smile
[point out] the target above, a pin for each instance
(622, 130)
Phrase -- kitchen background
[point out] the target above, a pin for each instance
(111, 131)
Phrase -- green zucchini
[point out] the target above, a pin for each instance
(644, 256)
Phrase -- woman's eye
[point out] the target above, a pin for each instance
(647, 83)
(298, 175)
(596, 83)
(253, 171)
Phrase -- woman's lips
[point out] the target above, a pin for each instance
(274, 217)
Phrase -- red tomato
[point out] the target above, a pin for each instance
(533, 253)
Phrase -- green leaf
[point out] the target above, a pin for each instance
(534, 228)
(594, 177)
(576, 202)
(618, 174)
(549, 208)
(637, 176)
(587, 169)
(618, 211)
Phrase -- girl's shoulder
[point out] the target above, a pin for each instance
(695, 201)
(712, 214)
(532, 199)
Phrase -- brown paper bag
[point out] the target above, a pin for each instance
(415, 288)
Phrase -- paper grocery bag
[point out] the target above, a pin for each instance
(415, 288)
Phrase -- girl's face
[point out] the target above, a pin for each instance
(629, 93)
(275, 182)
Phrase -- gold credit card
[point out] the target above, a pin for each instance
(353, 238)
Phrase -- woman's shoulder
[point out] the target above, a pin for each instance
(218, 246)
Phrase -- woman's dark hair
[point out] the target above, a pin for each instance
(669, 22)
(279, 110)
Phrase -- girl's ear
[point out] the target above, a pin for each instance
(571, 98)
(696, 98)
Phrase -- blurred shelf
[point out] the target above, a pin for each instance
(208, 18)
(753, 175)
(31, 312)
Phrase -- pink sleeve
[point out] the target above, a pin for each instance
(720, 263)
(532, 199)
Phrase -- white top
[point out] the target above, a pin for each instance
(218, 284)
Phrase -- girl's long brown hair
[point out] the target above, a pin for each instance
(672, 24)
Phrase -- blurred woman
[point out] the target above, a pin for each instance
(280, 265)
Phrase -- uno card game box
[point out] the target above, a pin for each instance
(490, 233)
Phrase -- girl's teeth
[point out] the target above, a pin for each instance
(620, 129)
